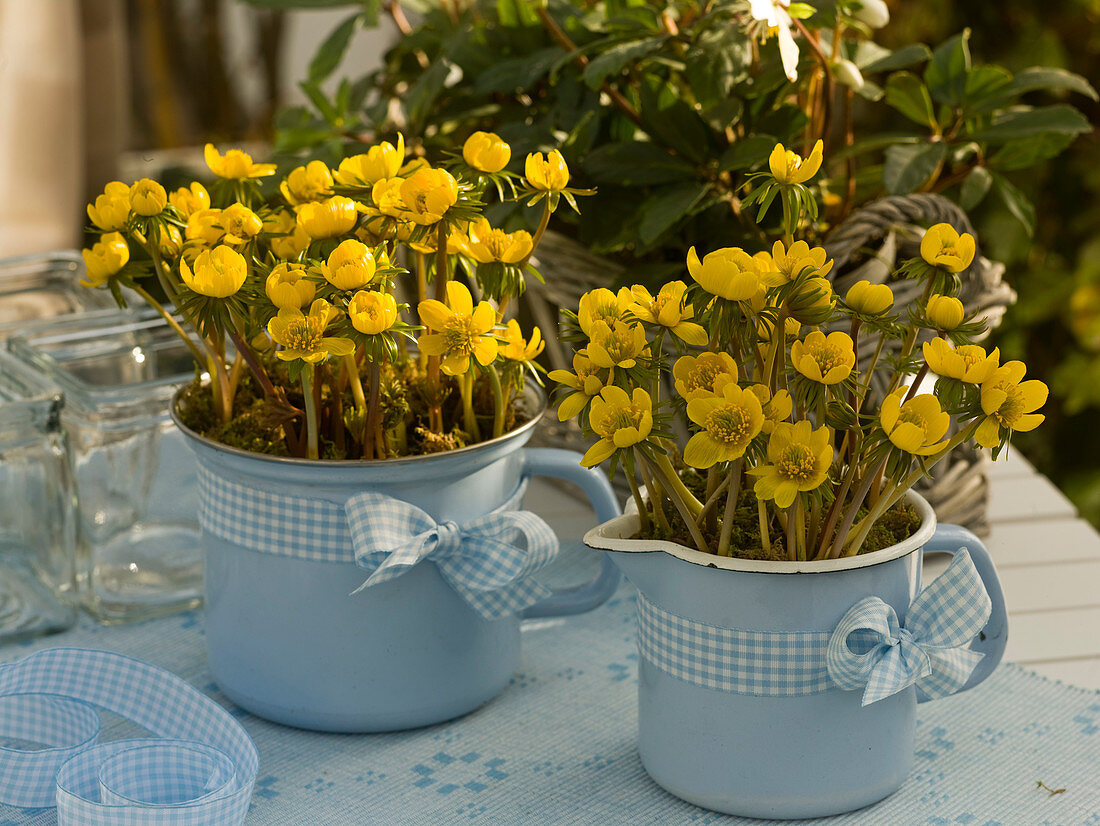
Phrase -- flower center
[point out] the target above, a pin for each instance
(1012, 408)
(729, 424)
(797, 463)
(621, 419)
(703, 376)
(827, 357)
(496, 241)
(908, 414)
(459, 334)
(304, 335)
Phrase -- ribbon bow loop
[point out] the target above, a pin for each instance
(869, 647)
(479, 558)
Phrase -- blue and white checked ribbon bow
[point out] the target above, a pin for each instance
(869, 647)
(198, 772)
(386, 537)
(929, 651)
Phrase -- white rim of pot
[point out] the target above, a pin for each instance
(531, 391)
(618, 533)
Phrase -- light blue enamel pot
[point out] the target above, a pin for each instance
(287, 639)
(783, 756)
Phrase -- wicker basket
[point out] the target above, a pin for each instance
(866, 246)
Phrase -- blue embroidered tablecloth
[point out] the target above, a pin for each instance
(558, 745)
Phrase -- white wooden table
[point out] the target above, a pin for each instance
(1048, 560)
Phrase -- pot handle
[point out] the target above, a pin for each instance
(565, 464)
(991, 640)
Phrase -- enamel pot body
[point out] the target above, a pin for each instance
(783, 757)
(289, 641)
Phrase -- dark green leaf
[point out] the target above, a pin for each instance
(667, 207)
(1026, 123)
(974, 187)
(945, 74)
(615, 59)
(318, 99)
(332, 50)
(671, 121)
(907, 167)
(422, 94)
(906, 93)
(1043, 77)
(636, 163)
(903, 58)
(875, 143)
(1016, 202)
(746, 153)
(517, 72)
(1026, 152)
(724, 114)
(984, 86)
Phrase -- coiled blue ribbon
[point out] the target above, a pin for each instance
(869, 647)
(198, 771)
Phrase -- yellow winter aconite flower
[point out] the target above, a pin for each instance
(189, 200)
(514, 346)
(615, 345)
(240, 223)
(106, 257)
(235, 165)
(789, 167)
(945, 312)
(380, 162)
(601, 304)
(825, 359)
(1009, 403)
(287, 286)
(386, 195)
(967, 362)
(148, 198)
(288, 240)
(486, 152)
(303, 336)
(703, 375)
(788, 264)
(869, 299)
(667, 309)
(169, 241)
(917, 425)
(218, 273)
(460, 330)
(328, 218)
(776, 408)
(729, 273)
(587, 380)
(112, 208)
(620, 420)
(813, 302)
(372, 312)
(307, 183)
(351, 266)
(729, 421)
(486, 244)
(799, 459)
(546, 174)
(204, 226)
(428, 194)
(943, 247)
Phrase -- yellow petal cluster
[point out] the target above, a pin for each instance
(869, 299)
(516, 348)
(287, 286)
(967, 362)
(601, 304)
(106, 257)
(943, 247)
(617, 344)
(148, 198)
(586, 380)
(667, 309)
(945, 312)
(329, 218)
(546, 174)
(788, 264)
(1009, 404)
(460, 330)
(789, 167)
(917, 425)
(486, 152)
(428, 194)
(218, 273)
(240, 224)
(288, 240)
(311, 182)
(703, 375)
(372, 312)
(380, 162)
(112, 208)
(351, 266)
(189, 200)
(827, 359)
(729, 273)
(302, 336)
(486, 245)
(235, 165)
(798, 461)
(204, 227)
(620, 420)
(729, 422)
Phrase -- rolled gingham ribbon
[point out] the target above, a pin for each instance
(930, 651)
(386, 537)
(199, 771)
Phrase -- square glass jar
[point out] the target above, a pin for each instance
(138, 548)
(37, 513)
(37, 287)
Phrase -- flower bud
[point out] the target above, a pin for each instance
(350, 267)
(549, 174)
(218, 273)
(945, 312)
(287, 286)
(105, 258)
(372, 312)
(869, 299)
(486, 151)
(874, 13)
(148, 198)
(112, 208)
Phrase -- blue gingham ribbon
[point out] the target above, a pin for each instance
(385, 536)
(198, 771)
(868, 647)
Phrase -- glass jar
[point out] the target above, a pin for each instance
(37, 524)
(34, 287)
(138, 549)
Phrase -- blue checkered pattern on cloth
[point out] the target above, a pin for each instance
(869, 647)
(386, 537)
(200, 770)
(929, 651)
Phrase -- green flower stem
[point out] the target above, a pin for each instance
(643, 509)
(834, 511)
(800, 528)
(708, 517)
(910, 342)
(499, 400)
(351, 368)
(675, 485)
(765, 536)
(469, 419)
(656, 499)
(199, 356)
(254, 365)
(853, 508)
(312, 451)
(686, 512)
(792, 552)
(731, 509)
(887, 501)
(777, 342)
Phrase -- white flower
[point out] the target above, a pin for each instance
(774, 14)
